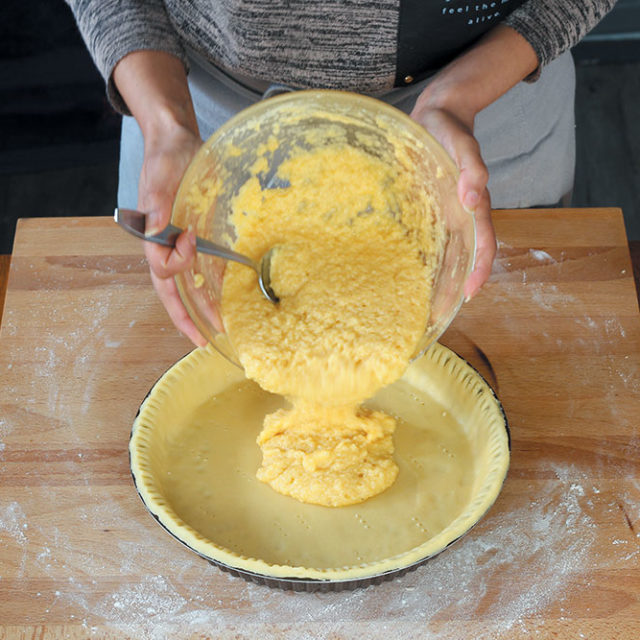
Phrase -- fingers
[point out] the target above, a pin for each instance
(459, 142)
(158, 183)
(166, 157)
(485, 248)
(474, 197)
(166, 262)
(168, 293)
(156, 220)
(457, 138)
(474, 175)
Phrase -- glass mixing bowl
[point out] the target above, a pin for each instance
(268, 132)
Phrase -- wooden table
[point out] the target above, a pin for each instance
(556, 331)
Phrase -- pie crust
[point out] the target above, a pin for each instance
(194, 457)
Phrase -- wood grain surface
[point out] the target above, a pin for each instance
(634, 250)
(556, 331)
(5, 261)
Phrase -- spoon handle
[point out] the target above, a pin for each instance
(134, 222)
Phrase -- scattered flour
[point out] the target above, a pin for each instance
(5, 429)
(13, 530)
(509, 568)
(541, 256)
(13, 522)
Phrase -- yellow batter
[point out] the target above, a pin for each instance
(354, 284)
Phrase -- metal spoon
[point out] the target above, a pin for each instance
(135, 221)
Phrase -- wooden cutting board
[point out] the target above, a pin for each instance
(556, 331)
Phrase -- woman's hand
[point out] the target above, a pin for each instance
(166, 157)
(456, 136)
(447, 109)
(154, 86)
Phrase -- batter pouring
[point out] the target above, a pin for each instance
(354, 282)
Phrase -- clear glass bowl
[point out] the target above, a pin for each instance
(276, 127)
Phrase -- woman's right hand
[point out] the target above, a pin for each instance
(166, 156)
(154, 86)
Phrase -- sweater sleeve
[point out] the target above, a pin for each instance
(113, 28)
(553, 26)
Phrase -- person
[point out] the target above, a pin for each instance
(492, 81)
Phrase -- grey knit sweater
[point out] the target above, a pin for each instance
(343, 44)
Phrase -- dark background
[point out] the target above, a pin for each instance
(59, 136)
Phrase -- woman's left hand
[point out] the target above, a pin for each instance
(456, 136)
(447, 109)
